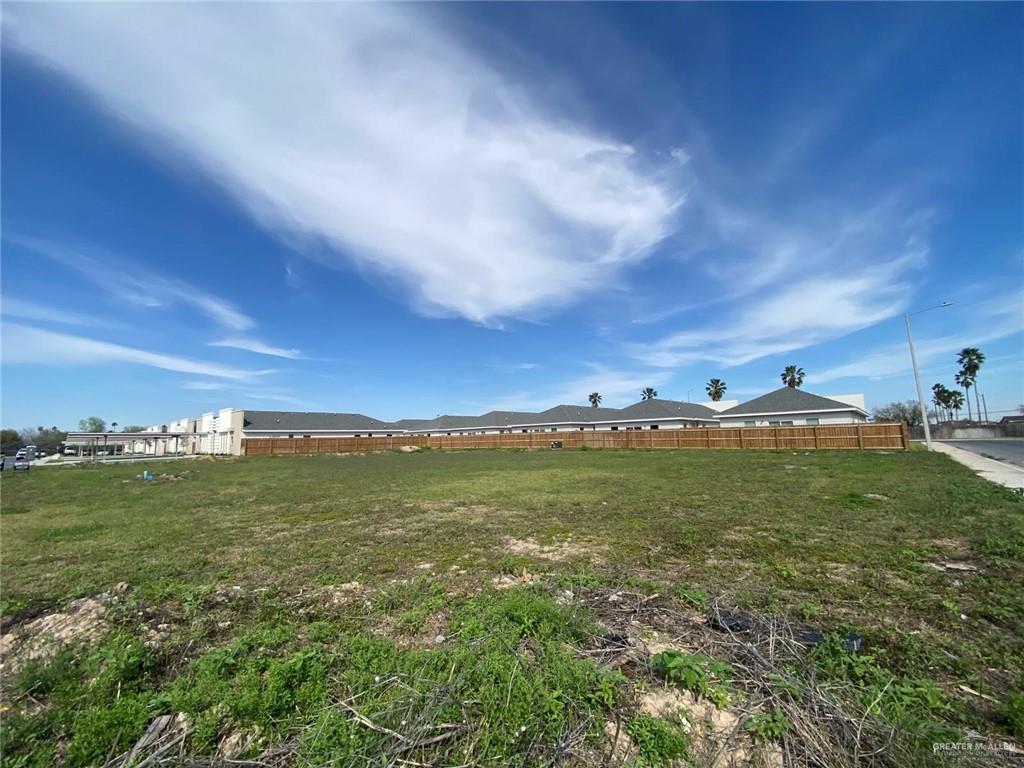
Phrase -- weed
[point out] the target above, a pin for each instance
(698, 598)
(657, 742)
(696, 672)
(768, 726)
(808, 611)
(1014, 712)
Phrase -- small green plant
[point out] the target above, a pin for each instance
(786, 572)
(1015, 713)
(657, 742)
(698, 598)
(768, 726)
(808, 611)
(696, 672)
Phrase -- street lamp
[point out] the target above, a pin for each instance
(113, 428)
(917, 374)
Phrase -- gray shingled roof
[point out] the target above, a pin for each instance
(666, 409)
(784, 399)
(787, 400)
(577, 414)
(297, 421)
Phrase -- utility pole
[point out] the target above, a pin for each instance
(917, 374)
(917, 381)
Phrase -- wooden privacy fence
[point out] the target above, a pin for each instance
(838, 436)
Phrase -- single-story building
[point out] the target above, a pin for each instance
(222, 432)
(788, 406)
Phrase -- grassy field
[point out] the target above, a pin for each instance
(495, 607)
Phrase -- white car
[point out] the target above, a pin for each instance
(69, 451)
(21, 454)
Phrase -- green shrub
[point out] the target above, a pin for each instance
(1015, 714)
(657, 742)
(695, 672)
(768, 726)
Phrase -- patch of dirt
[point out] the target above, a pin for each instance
(409, 448)
(954, 567)
(623, 748)
(237, 743)
(561, 551)
(717, 739)
(876, 496)
(81, 622)
(519, 580)
(955, 548)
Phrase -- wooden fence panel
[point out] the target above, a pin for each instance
(828, 437)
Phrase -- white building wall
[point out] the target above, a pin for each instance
(798, 419)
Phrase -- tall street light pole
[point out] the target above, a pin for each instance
(917, 374)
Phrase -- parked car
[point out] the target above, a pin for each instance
(22, 464)
(69, 450)
(21, 454)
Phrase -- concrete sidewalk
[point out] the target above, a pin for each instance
(990, 469)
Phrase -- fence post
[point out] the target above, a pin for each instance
(860, 437)
(904, 436)
(815, 437)
(775, 430)
(741, 437)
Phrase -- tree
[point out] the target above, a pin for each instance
(971, 360)
(92, 424)
(908, 411)
(44, 439)
(792, 376)
(963, 379)
(10, 441)
(956, 402)
(594, 398)
(132, 428)
(940, 399)
(648, 393)
(715, 389)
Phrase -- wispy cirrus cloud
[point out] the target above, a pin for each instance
(250, 344)
(30, 310)
(24, 344)
(786, 287)
(618, 387)
(385, 138)
(996, 319)
(131, 282)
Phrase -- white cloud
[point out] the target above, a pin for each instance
(255, 345)
(135, 284)
(369, 127)
(26, 345)
(1000, 318)
(204, 385)
(29, 310)
(617, 387)
(792, 289)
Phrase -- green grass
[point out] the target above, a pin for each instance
(287, 656)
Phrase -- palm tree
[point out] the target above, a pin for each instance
(595, 399)
(648, 393)
(956, 402)
(792, 376)
(971, 360)
(715, 389)
(963, 379)
(940, 397)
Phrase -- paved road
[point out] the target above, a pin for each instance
(1010, 450)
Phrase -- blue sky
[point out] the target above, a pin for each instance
(408, 210)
